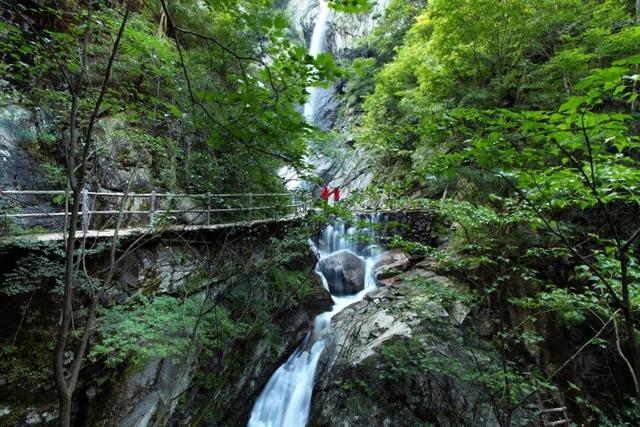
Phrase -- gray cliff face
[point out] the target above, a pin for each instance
(29, 161)
(19, 170)
(344, 32)
(344, 29)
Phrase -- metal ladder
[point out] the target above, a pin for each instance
(555, 415)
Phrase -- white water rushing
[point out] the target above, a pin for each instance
(317, 95)
(286, 399)
(316, 47)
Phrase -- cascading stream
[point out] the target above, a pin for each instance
(286, 399)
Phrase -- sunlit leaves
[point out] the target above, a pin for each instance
(352, 6)
(157, 328)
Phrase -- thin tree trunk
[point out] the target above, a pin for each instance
(627, 312)
(66, 387)
(65, 410)
(65, 390)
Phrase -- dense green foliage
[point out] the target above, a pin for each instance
(518, 122)
(200, 106)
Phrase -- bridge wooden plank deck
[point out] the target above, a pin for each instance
(137, 231)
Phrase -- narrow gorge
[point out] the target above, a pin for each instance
(319, 213)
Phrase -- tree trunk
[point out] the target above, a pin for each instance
(633, 342)
(65, 410)
(628, 313)
(65, 390)
(77, 174)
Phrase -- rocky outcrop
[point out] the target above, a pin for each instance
(418, 225)
(399, 357)
(344, 272)
(346, 29)
(20, 171)
(389, 263)
(29, 161)
(123, 164)
(145, 393)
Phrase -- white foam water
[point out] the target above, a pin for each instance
(286, 399)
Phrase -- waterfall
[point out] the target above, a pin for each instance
(286, 399)
(317, 95)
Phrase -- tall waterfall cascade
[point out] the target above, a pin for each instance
(286, 399)
(317, 95)
(339, 34)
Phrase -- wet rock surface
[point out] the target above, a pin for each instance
(17, 168)
(344, 271)
(21, 171)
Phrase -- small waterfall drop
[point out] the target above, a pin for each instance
(286, 399)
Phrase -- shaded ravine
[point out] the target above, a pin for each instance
(286, 399)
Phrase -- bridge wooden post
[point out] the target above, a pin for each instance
(152, 209)
(250, 205)
(85, 211)
(208, 208)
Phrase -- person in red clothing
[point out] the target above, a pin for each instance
(336, 194)
(325, 194)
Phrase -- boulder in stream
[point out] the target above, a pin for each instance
(344, 272)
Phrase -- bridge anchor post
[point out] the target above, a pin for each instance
(85, 211)
(152, 208)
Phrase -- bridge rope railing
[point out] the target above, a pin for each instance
(195, 208)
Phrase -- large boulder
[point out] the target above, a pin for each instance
(344, 272)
